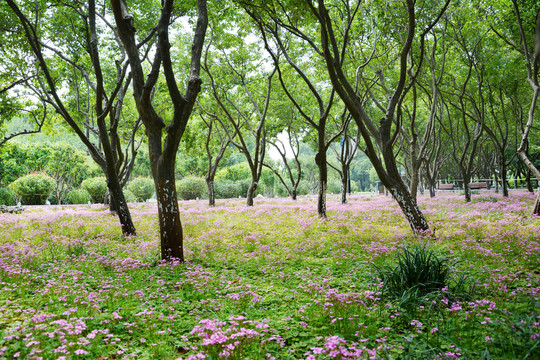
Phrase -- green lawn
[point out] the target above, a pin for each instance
(270, 282)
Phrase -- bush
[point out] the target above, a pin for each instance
(7, 197)
(226, 189)
(33, 189)
(191, 187)
(79, 196)
(142, 188)
(96, 187)
(333, 186)
(130, 197)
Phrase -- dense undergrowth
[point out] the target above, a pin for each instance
(272, 282)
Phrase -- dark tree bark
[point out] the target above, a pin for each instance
(103, 105)
(532, 59)
(163, 140)
(378, 138)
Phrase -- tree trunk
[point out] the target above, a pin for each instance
(119, 204)
(211, 192)
(409, 206)
(466, 181)
(536, 210)
(496, 177)
(168, 213)
(414, 182)
(344, 189)
(529, 182)
(250, 193)
(431, 190)
(320, 160)
(293, 192)
(503, 178)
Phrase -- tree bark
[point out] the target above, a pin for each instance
(168, 213)
(409, 206)
(320, 160)
(211, 192)
(503, 177)
(251, 192)
(466, 181)
(344, 183)
(293, 192)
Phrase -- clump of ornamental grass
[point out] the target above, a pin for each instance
(419, 272)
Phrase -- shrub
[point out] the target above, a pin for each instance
(130, 197)
(142, 188)
(96, 187)
(33, 189)
(333, 186)
(7, 197)
(226, 189)
(79, 196)
(191, 187)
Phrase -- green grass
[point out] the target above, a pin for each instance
(270, 281)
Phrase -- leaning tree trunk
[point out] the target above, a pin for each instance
(409, 206)
(119, 204)
(320, 160)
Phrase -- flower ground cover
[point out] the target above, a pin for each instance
(269, 282)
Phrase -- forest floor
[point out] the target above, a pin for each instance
(271, 282)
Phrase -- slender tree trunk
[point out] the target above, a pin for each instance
(320, 160)
(251, 192)
(529, 182)
(496, 177)
(503, 178)
(211, 192)
(466, 181)
(414, 181)
(344, 183)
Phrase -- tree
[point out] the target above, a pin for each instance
(532, 60)
(213, 161)
(236, 91)
(311, 95)
(163, 139)
(337, 34)
(294, 175)
(65, 165)
(345, 155)
(47, 85)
